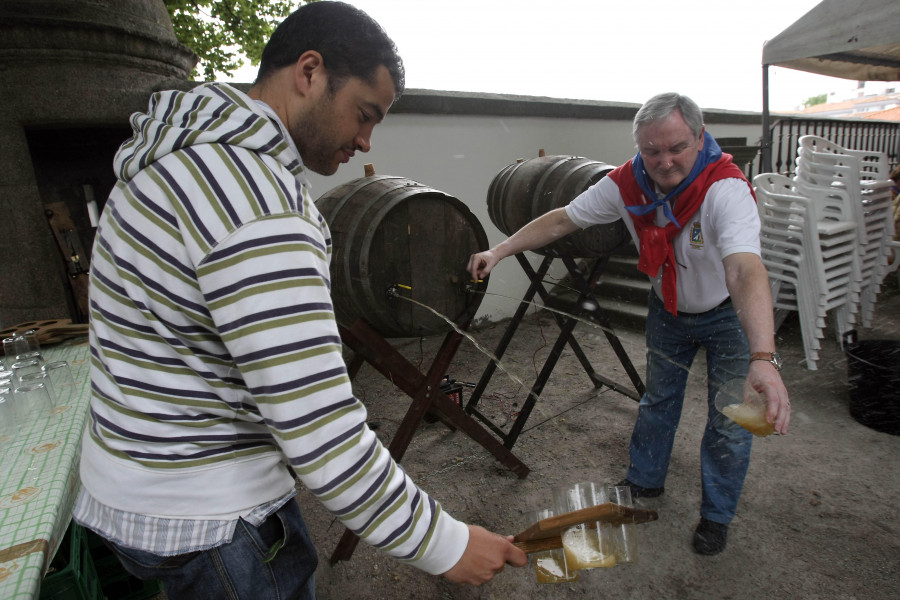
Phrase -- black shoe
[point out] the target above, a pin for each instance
(710, 537)
(642, 492)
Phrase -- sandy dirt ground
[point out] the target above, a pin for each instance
(818, 518)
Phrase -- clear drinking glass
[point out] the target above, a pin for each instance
(550, 565)
(40, 377)
(31, 339)
(23, 368)
(25, 341)
(587, 545)
(626, 538)
(9, 351)
(737, 400)
(31, 401)
(7, 413)
(33, 355)
(61, 379)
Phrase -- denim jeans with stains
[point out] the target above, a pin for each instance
(273, 561)
(672, 344)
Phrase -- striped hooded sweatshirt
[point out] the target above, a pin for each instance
(216, 359)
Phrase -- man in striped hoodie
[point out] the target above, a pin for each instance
(217, 364)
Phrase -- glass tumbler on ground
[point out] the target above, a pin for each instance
(587, 545)
(626, 538)
(550, 565)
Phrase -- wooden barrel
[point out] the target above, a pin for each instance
(527, 189)
(395, 239)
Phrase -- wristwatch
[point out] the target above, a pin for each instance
(771, 357)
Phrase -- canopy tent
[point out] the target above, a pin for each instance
(852, 40)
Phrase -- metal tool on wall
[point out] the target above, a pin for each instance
(75, 259)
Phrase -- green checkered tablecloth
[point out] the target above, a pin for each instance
(39, 479)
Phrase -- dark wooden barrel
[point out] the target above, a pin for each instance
(527, 189)
(395, 237)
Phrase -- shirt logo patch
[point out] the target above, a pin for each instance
(696, 235)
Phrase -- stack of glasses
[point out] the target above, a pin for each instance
(31, 389)
(587, 545)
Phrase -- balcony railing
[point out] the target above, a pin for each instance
(854, 134)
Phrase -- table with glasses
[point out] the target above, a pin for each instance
(39, 478)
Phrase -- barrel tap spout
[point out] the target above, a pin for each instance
(394, 290)
(474, 285)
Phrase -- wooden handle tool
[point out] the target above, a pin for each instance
(546, 533)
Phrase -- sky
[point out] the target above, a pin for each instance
(710, 50)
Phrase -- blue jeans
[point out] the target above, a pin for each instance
(250, 567)
(672, 344)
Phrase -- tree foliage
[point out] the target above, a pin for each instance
(814, 100)
(219, 31)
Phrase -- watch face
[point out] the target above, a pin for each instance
(776, 360)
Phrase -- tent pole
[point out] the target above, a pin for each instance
(765, 165)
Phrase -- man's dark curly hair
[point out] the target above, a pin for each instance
(351, 43)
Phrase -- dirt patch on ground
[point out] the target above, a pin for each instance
(818, 517)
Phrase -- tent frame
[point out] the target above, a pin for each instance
(850, 40)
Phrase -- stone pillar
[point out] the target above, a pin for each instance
(67, 68)
(30, 285)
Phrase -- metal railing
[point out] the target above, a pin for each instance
(854, 134)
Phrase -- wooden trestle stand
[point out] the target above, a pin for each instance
(585, 286)
(424, 389)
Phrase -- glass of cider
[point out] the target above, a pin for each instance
(550, 565)
(586, 545)
(737, 400)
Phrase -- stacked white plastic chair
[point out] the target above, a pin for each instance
(809, 250)
(827, 172)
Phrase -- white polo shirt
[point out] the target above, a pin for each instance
(727, 222)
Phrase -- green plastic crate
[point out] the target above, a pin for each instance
(72, 575)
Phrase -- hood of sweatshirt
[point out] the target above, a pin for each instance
(212, 113)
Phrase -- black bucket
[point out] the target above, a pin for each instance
(873, 378)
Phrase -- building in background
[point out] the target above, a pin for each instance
(865, 100)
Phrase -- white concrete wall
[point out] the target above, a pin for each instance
(461, 154)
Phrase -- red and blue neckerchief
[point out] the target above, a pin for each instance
(656, 249)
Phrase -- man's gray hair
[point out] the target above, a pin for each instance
(661, 106)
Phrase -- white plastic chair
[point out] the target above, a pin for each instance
(810, 252)
(784, 259)
(826, 172)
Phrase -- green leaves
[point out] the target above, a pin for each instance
(814, 100)
(218, 31)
